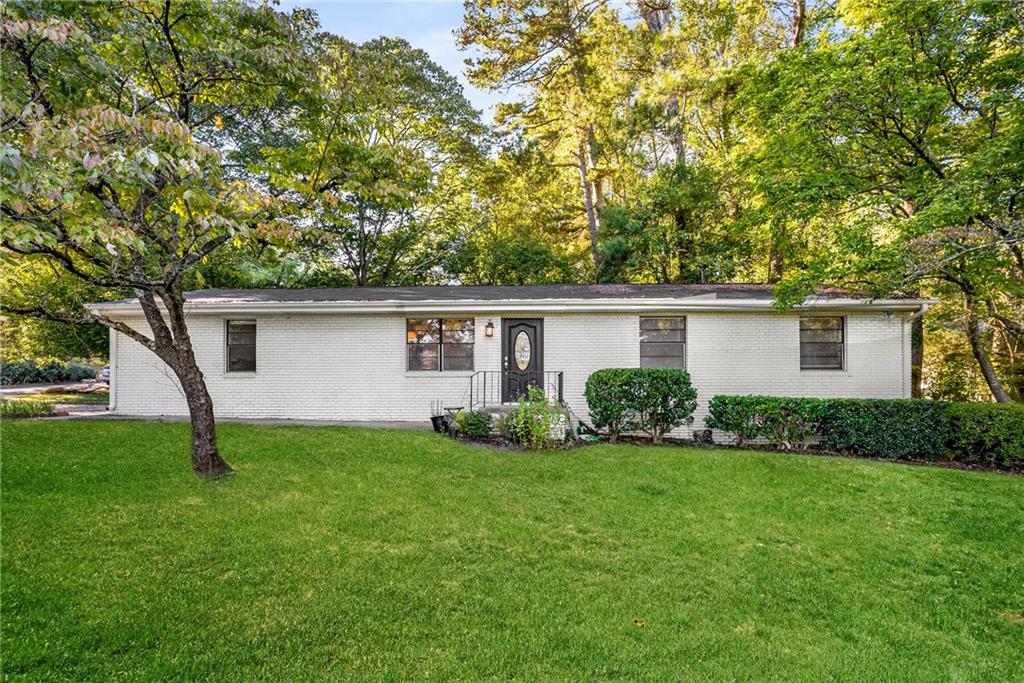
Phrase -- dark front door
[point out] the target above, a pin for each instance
(522, 356)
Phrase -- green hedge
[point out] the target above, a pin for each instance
(787, 422)
(879, 428)
(650, 400)
(984, 433)
(43, 370)
(987, 433)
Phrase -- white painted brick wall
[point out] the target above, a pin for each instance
(352, 367)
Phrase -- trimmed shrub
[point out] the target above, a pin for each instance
(737, 415)
(43, 370)
(779, 420)
(651, 400)
(609, 395)
(473, 423)
(883, 428)
(533, 421)
(984, 433)
(989, 433)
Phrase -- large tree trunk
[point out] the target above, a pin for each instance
(206, 461)
(173, 344)
(976, 336)
(588, 202)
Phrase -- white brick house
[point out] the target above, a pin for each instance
(391, 353)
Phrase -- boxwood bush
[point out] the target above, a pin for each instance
(983, 433)
(650, 400)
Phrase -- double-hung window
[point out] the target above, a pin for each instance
(241, 345)
(439, 343)
(663, 343)
(821, 343)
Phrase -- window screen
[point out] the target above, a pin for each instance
(821, 343)
(241, 345)
(663, 343)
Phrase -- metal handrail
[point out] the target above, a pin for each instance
(486, 387)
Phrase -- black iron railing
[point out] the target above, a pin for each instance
(494, 387)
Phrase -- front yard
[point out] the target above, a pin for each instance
(340, 553)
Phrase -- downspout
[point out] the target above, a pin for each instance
(112, 404)
(903, 340)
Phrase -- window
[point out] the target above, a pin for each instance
(821, 343)
(439, 344)
(241, 338)
(663, 343)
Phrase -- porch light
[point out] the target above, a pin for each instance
(489, 329)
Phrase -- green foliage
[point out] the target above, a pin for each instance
(43, 370)
(651, 400)
(16, 408)
(880, 428)
(986, 433)
(473, 423)
(377, 162)
(532, 422)
(609, 394)
(780, 421)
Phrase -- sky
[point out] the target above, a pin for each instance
(426, 24)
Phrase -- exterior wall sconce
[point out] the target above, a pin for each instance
(489, 329)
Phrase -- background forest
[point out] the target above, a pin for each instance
(877, 146)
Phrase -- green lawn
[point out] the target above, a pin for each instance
(347, 553)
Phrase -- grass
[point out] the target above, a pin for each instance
(347, 553)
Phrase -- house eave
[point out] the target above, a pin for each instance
(695, 304)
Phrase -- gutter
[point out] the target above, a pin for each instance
(523, 305)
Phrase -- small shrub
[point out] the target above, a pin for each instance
(989, 433)
(652, 400)
(78, 372)
(473, 423)
(531, 422)
(16, 408)
(884, 428)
